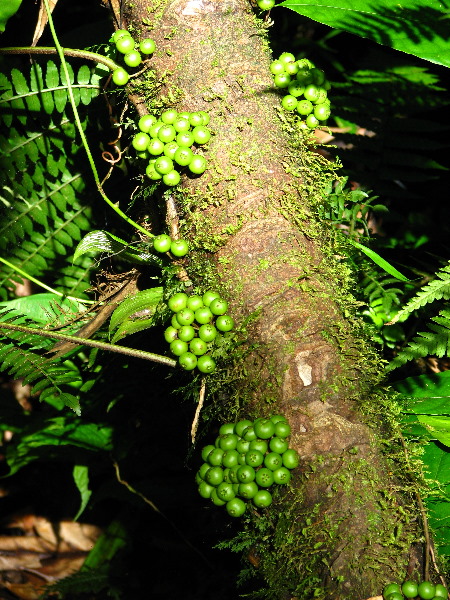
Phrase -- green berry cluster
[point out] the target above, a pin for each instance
(410, 589)
(132, 53)
(246, 459)
(164, 243)
(167, 144)
(306, 88)
(197, 324)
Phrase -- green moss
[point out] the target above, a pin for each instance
(289, 544)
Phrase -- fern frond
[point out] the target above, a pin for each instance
(46, 91)
(47, 375)
(87, 581)
(437, 289)
(380, 288)
(20, 357)
(434, 342)
(43, 216)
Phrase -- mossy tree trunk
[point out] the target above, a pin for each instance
(344, 530)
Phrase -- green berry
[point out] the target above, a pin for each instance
(289, 102)
(147, 46)
(266, 4)
(120, 76)
(132, 59)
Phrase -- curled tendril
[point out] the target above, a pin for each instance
(109, 157)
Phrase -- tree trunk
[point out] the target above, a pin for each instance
(342, 532)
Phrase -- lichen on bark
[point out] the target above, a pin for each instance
(213, 55)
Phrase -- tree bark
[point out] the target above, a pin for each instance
(350, 533)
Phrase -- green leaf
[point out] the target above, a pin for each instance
(58, 431)
(438, 426)
(427, 397)
(103, 241)
(81, 478)
(146, 300)
(381, 262)
(19, 81)
(112, 539)
(437, 463)
(42, 308)
(433, 385)
(417, 27)
(130, 327)
(8, 8)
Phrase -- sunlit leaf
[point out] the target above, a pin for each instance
(439, 427)
(7, 9)
(380, 261)
(141, 305)
(103, 241)
(81, 478)
(418, 27)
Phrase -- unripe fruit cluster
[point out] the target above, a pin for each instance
(164, 243)
(410, 589)
(247, 459)
(132, 53)
(168, 142)
(306, 88)
(197, 325)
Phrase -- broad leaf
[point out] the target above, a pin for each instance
(439, 427)
(135, 313)
(418, 27)
(381, 262)
(42, 308)
(130, 327)
(57, 431)
(427, 403)
(8, 8)
(429, 386)
(103, 241)
(437, 463)
(112, 539)
(81, 478)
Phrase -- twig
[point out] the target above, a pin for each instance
(131, 489)
(201, 400)
(92, 343)
(99, 58)
(172, 221)
(156, 509)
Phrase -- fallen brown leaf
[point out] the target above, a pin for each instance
(44, 553)
(42, 20)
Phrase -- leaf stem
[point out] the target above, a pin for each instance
(42, 284)
(79, 341)
(60, 52)
(75, 52)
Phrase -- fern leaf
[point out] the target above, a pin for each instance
(122, 317)
(434, 342)
(40, 184)
(88, 581)
(30, 367)
(437, 289)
